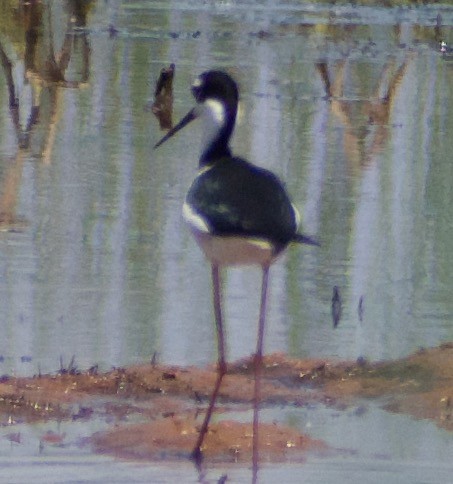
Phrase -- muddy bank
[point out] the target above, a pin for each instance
(155, 410)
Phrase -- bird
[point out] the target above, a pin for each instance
(238, 213)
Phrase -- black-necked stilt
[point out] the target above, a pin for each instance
(238, 213)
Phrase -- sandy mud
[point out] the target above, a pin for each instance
(155, 411)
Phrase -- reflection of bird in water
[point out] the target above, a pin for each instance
(238, 213)
(336, 306)
(445, 50)
(162, 107)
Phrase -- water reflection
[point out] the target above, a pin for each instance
(162, 107)
(95, 261)
(33, 88)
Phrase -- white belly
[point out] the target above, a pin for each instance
(228, 250)
(234, 250)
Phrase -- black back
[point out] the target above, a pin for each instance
(238, 198)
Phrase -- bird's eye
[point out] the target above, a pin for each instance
(197, 92)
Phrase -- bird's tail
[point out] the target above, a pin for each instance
(305, 239)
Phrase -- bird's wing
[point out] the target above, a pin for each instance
(237, 198)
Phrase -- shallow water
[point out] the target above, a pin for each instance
(366, 443)
(95, 262)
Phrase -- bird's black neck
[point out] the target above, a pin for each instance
(215, 151)
(219, 145)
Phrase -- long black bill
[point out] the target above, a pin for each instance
(190, 116)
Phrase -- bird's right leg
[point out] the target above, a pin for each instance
(221, 365)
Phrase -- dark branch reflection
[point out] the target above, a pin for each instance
(162, 107)
(47, 69)
(362, 143)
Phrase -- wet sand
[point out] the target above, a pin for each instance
(165, 404)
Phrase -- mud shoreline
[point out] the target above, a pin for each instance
(155, 410)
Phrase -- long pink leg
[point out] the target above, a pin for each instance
(221, 364)
(258, 369)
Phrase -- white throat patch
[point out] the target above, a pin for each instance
(213, 115)
(216, 111)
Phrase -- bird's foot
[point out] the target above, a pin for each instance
(197, 456)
